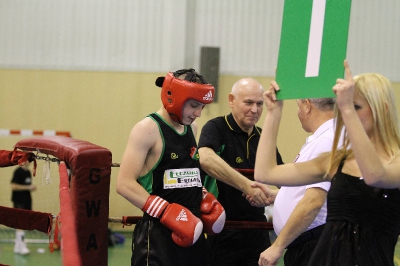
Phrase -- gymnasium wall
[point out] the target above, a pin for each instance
(102, 107)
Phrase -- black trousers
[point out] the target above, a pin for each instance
(239, 247)
(299, 252)
(23, 205)
(152, 245)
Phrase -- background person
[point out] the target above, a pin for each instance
(21, 186)
(300, 211)
(227, 149)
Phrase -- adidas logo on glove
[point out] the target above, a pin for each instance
(173, 216)
(182, 216)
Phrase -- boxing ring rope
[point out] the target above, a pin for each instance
(129, 220)
(25, 219)
(68, 241)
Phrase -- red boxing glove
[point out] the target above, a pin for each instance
(212, 214)
(186, 228)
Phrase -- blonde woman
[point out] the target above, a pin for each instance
(363, 221)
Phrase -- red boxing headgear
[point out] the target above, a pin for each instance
(175, 92)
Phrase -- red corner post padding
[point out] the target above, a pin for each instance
(90, 170)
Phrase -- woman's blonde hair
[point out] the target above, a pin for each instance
(377, 90)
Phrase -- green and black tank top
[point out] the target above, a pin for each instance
(176, 175)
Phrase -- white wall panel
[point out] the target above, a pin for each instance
(374, 37)
(91, 34)
(162, 35)
(247, 33)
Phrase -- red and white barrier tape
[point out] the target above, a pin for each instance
(30, 132)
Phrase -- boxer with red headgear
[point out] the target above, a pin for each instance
(160, 174)
(180, 86)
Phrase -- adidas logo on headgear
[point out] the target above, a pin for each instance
(182, 216)
(208, 96)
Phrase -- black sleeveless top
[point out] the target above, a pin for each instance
(363, 224)
(176, 175)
